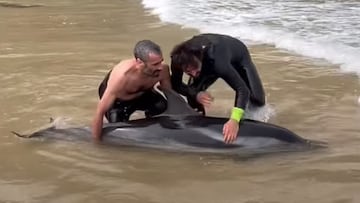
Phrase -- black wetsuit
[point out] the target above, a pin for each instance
(151, 101)
(227, 58)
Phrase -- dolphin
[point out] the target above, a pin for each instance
(181, 129)
(18, 5)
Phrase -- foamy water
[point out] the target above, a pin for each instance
(327, 30)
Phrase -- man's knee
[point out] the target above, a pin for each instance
(117, 115)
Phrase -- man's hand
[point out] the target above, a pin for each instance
(96, 140)
(230, 131)
(97, 128)
(204, 98)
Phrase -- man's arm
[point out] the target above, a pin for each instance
(233, 79)
(104, 104)
(115, 83)
(222, 56)
(253, 78)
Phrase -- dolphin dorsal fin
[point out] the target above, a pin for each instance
(176, 104)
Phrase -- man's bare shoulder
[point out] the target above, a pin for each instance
(118, 72)
(124, 64)
(122, 67)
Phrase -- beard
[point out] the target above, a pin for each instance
(151, 73)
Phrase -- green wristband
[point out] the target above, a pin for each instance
(237, 113)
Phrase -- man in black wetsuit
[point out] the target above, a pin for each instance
(207, 57)
(129, 87)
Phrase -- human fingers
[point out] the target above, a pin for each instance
(232, 135)
(226, 134)
(206, 102)
(207, 96)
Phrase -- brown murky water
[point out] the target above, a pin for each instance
(53, 57)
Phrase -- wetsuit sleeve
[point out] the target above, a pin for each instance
(221, 57)
(228, 73)
(254, 81)
(178, 85)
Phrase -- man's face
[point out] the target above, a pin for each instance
(154, 65)
(193, 70)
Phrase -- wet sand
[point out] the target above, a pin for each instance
(52, 60)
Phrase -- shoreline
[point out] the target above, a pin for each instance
(271, 62)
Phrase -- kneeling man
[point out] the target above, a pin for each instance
(129, 86)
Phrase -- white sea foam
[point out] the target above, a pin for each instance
(327, 30)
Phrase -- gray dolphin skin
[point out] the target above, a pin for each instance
(181, 129)
(17, 5)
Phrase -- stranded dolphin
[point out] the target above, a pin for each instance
(182, 129)
(17, 5)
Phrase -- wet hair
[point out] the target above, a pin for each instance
(185, 53)
(143, 48)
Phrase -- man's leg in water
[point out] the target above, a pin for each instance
(120, 112)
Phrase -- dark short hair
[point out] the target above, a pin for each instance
(184, 54)
(143, 48)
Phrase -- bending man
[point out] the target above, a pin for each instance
(207, 57)
(129, 86)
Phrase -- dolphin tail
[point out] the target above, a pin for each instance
(317, 144)
(21, 135)
(51, 121)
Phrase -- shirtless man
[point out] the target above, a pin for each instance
(129, 86)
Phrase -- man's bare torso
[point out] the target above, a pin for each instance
(130, 82)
